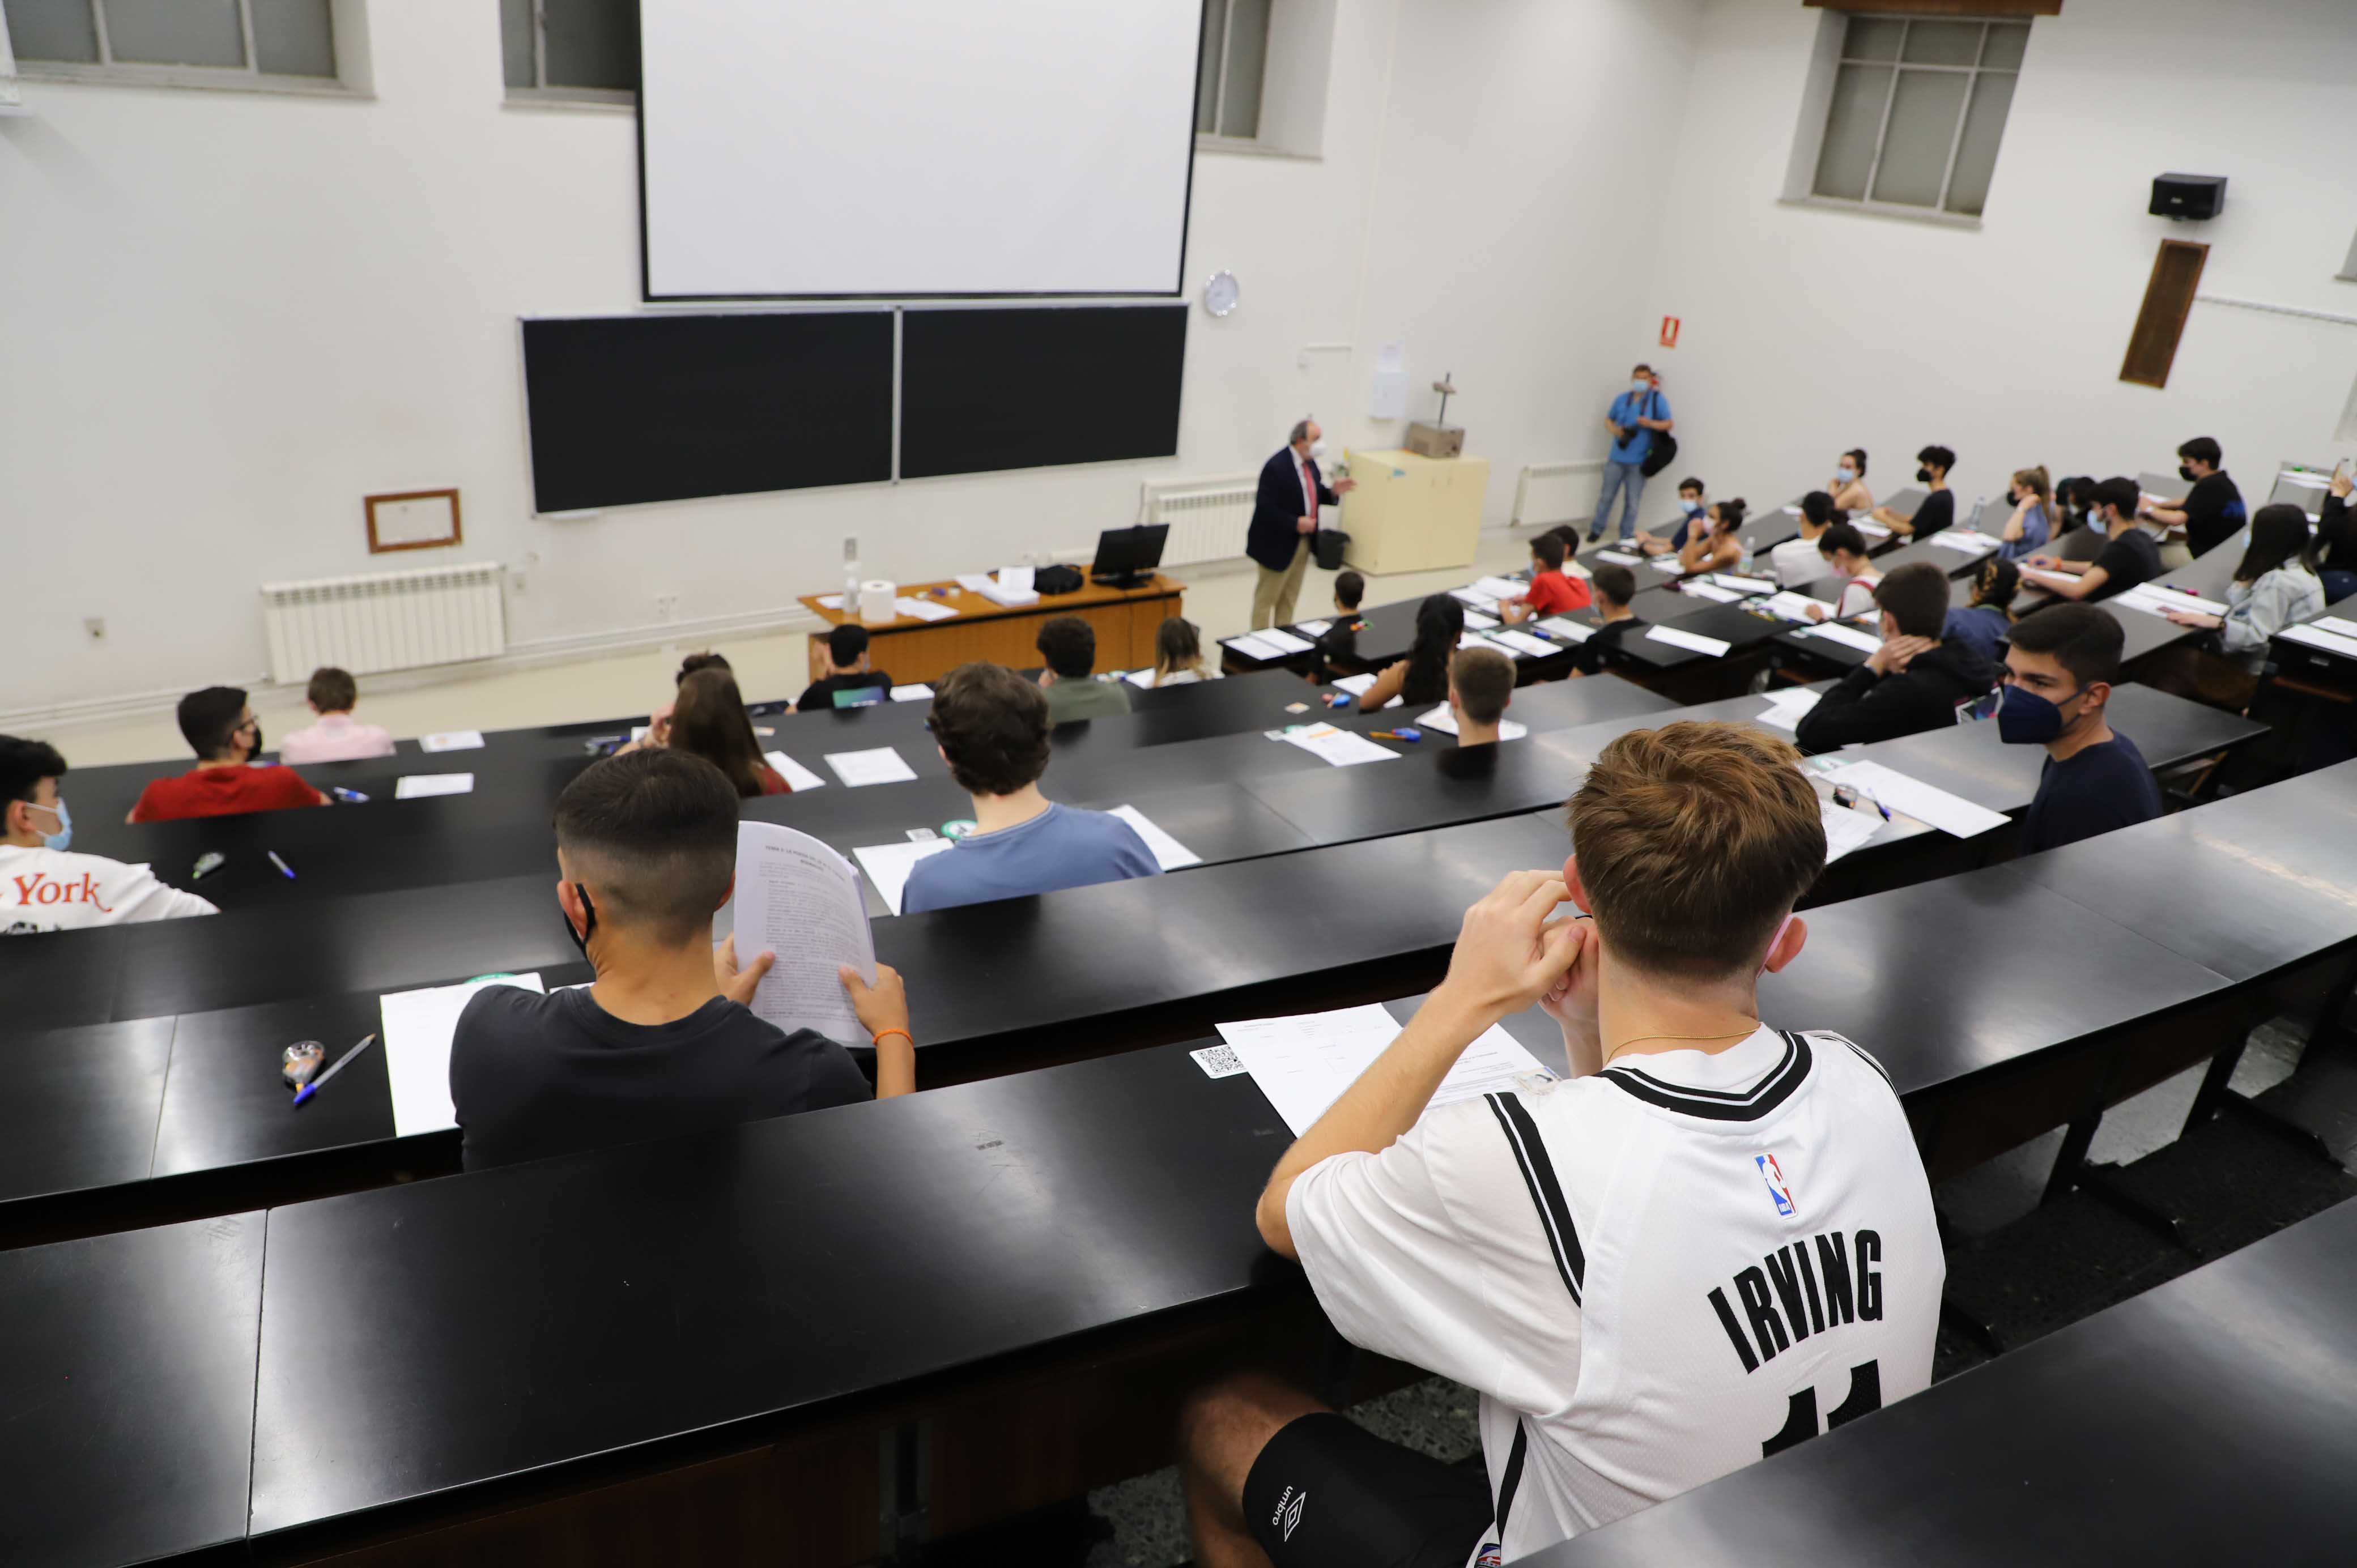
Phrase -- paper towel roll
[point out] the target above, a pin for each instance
(876, 599)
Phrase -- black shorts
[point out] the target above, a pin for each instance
(1328, 1494)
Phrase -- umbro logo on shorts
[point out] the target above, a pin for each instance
(1289, 1511)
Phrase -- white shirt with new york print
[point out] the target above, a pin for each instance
(56, 890)
(1653, 1274)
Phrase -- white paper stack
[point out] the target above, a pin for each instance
(975, 582)
(415, 786)
(1790, 606)
(2154, 599)
(923, 609)
(1666, 564)
(2318, 634)
(1442, 719)
(1141, 678)
(1847, 830)
(1168, 852)
(1338, 747)
(1501, 588)
(1743, 584)
(888, 866)
(1871, 530)
(452, 740)
(800, 900)
(1926, 803)
(1788, 707)
(1848, 636)
(798, 777)
(1305, 1062)
(1964, 541)
(1013, 598)
(1707, 590)
(1314, 627)
(1476, 620)
(1710, 646)
(1356, 684)
(417, 1027)
(1285, 641)
(878, 765)
(1256, 644)
(1524, 643)
(1473, 598)
(1566, 630)
(914, 692)
(1619, 557)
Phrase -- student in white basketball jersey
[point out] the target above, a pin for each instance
(1713, 1241)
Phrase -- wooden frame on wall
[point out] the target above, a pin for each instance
(2168, 301)
(413, 520)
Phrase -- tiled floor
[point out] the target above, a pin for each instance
(770, 666)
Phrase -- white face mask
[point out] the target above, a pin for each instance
(1317, 448)
(1845, 473)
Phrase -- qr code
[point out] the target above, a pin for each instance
(1217, 1061)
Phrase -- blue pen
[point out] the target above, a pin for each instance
(285, 870)
(314, 1087)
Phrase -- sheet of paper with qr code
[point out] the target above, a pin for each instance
(1218, 1061)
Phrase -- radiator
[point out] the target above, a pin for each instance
(1208, 518)
(399, 620)
(1555, 492)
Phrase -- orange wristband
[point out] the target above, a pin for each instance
(878, 1038)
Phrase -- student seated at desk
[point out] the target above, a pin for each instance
(1844, 549)
(1481, 688)
(225, 736)
(709, 720)
(2032, 521)
(659, 721)
(1338, 644)
(1616, 1264)
(1797, 562)
(1939, 507)
(2058, 673)
(991, 727)
(2133, 556)
(847, 670)
(332, 736)
(1691, 510)
(1178, 654)
(2212, 512)
(1423, 675)
(1914, 681)
(1983, 625)
(2078, 533)
(45, 887)
(1068, 645)
(1550, 593)
(665, 1041)
(1615, 586)
(1717, 545)
(1849, 484)
(2275, 585)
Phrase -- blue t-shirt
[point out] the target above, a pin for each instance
(2103, 788)
(1981, 627)
(1626, 410)
(1060, 847)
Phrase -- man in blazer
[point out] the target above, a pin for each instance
(1285, 514)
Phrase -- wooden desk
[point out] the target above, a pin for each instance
(913, 649)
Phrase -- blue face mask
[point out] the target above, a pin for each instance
(1641, 389)
(1693, 509)
(2025, 718)
(64, 835)
(1846, 474)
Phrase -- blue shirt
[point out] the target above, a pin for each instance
(1626, 408)
(1060, 847)
(1981, 627)
(2035, 532)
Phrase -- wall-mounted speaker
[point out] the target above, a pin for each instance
(2189, 196)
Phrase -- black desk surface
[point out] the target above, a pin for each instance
(128, 1384)
(2213, 1419)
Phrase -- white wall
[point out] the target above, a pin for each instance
(225, 317)
(1808, 330)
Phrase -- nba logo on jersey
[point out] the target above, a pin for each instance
(1773, 1175)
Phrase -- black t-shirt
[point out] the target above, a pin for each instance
(2101, 788)
(1938, 511)
(2213, 511)
(533, 1076)
(820, 694)
(1591, 657)
(2133, 557)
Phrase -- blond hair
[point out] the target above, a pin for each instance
(1694, 841)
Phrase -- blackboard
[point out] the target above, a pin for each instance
(1030, 387)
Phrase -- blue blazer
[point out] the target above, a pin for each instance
(1278, 510)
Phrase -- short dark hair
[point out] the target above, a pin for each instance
(1484, 680)
(1941, 457)
(1818, 507)
(2123, 496)
(2202, 449)
(709, 661)
(1916, 597)
(2084, 639)
(845, 644)
(991, 725)
(1839, 537)
(1691, 483)
(1614, 581)
(23, 764)
(1641, 365)
(1858, 453)
(1997, 582)
(656, 831)
(1068, 644)
(1694, 841)
(332, 690)
(1349, 589)
(1548, 550)
(210, 718)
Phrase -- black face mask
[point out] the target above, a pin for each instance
(2185, 473)
(257, 741)
(581, 938)
(1923, 476)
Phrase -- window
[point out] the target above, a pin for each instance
(571, 51)
(1916, 111)
(1234, 61)
(283, 44)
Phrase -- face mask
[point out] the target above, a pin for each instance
(1693, 509)
(589, 912)
(1317, 448)
(2025, 718)
(1845, 473)
(2185, 473)
(1923, 476)
(64, 835)
(256, 750)
(1641, 389)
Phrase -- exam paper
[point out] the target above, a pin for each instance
(1304, 1063)
(1356, 684)
(1500, 587)
(878, 765)
(1871, 530)
(1339, 747)
(923, 609)
(914, 692)
(1474, 598)
(1314, 627)
(1848, 636)
(1168, 852)
(1743, 584)
(1790, 606)
(1845, 829)
(1786, 709)
(2314, 635)
(799, 899)
(1687, 640)
(798, 777)
(1012, 598)
(1480, 622)
(1569, 631)
(1141, 678)
(1935, 806)
(1703, 590)
(2336, 625)
(1964, 541)
(451, 740)
(1442, 719)
(1254, 645)
(1666, 564)
(2155, 600)
(888, 866)
(975, 582)
(1285, 641)
(417, 1027)
(1015, 579)
(1523, 642)
(413, 786)
(1619, 557)
(830, 601)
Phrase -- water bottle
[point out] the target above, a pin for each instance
(850, 576)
